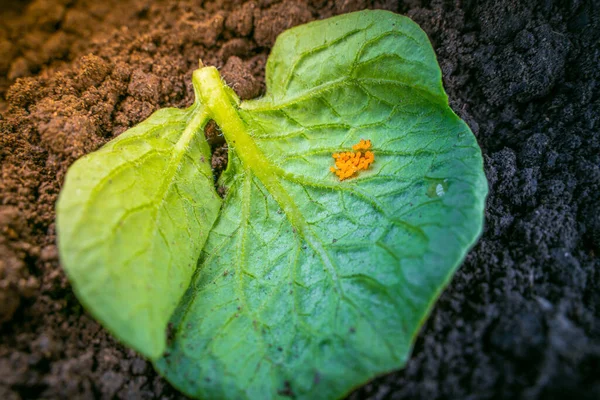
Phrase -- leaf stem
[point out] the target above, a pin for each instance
(218, 99)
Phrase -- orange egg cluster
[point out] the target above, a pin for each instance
(347, 164)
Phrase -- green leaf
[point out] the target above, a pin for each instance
(309, 286)
(131, 220)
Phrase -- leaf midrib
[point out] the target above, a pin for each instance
(214, 96)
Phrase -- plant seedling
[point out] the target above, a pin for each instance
(312, 275)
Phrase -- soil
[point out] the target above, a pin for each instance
(521, 319)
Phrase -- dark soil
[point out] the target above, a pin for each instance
(521, 318)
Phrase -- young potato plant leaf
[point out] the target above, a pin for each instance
(131, 220)
(309, 286)
(317, 272)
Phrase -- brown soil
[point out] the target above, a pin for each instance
(522, 317)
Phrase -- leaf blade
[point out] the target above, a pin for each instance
(131, 203)
(353, 35)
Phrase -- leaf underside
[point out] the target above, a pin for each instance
(301, 285)
(131, 220)
(308, 286)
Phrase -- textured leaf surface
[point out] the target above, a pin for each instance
(132, 218)
(308, 286)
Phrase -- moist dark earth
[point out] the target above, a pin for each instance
(521, 318)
